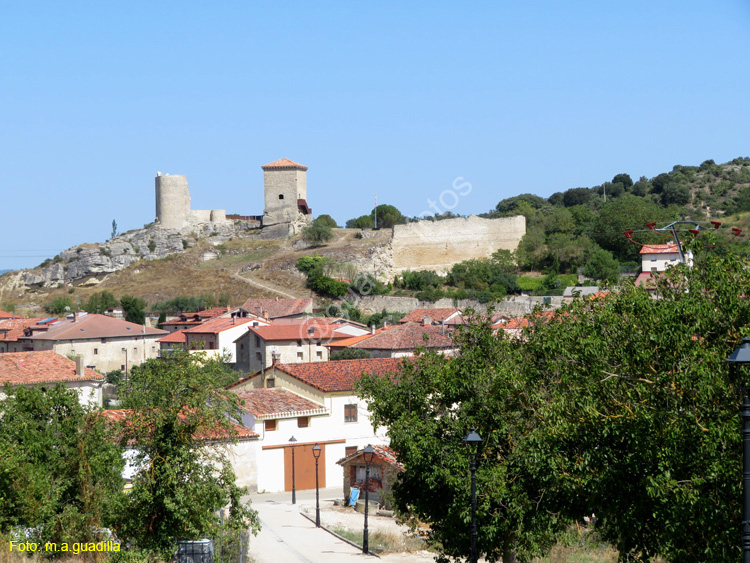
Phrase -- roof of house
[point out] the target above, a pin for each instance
(346, 342)
(529, 320)
(277, 402)
(318, 320)
(95, 326)
(274, 308)
(284, 163)
(334, 376)
(177, 337)
(435, 315)
(298, 332)
(407, 336)
(12, 329)
(668, 248)
(4, 315)
(385, 453)
(124, 415)
(647, 279)
(215, 326)
(25, 368)
(198, 317)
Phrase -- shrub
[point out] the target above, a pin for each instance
(151, 245)
(59, 306)
(317, 232)
(350, 354)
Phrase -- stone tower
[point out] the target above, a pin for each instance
(172, 201)
(285, 184)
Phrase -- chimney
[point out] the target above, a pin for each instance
(372, 329)
(426, 321)
(80, 366)
(75, 316)
(443, 323)
(385, 324)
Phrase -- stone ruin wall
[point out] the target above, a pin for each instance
(428, 245)
(173, 205)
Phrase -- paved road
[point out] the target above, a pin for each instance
(287, 536)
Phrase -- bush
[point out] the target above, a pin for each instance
(327, 220)
(432, 294)
(115, 376)
(317, 232)
(308, 264)
(60, 306)
(351, 354)
(326, 286)
(419, 280)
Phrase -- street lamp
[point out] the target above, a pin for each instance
(368, 453)
(473, 440)
(316, 455)
(741, 356)
(292, 440)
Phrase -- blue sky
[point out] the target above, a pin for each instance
(398, 98)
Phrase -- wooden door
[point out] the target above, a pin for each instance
(304, 467)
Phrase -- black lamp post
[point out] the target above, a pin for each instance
(368, 453)
(294, 489)
(316, 455)
(739, 357)
(473, 440)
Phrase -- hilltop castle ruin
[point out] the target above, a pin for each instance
(286, 211)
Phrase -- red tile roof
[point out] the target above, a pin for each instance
(24, 368)
(125, 415)
(659, 248)
(4, 315)
(436, 315)
(341, 375)
(273, 308)
(529, 320)
(283, 163)
(277, 403)
(198, 317)
(215, 326)
(385, 453)
(408, 336)
(12, 329)
(346, 342)
(95, 326)
(647, 279)
(177, 337)
(298, 332)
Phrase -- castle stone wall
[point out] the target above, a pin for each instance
(428, 245)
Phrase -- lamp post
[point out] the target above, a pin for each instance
(292, 440)
(368, 453)
(741, 356)
(316, 455)
(473, 440)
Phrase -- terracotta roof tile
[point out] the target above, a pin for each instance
(95, 326)
(346, 342)
(177, 337)
(529, 320)
(4, 315)
(215, 326)
(298, 332)
(659, 248)
(340, 375)
(283, 163)
(436, 315)
(125, 415)
(407, 336)
(385, 453)
(12, 329)
(24, 368)
(273, 308)
(277, 402)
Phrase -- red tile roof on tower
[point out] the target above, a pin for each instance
(435, 315)
(273, 308)
(408, 336)
(25, 368)
(340, 375)
(284, 163)
(277, 403)
(95, 326)
(668, 248)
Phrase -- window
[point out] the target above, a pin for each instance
(299, 343)
(153, 348)
(270, 383)
(242, 346)
(257, 341)
(258, 356)
(270, 425)
(211, 345)
(303, 421)
(350, 413)
(319, 354)
(299, 355)
(122, 367)
(96, 351)
(281, 196)
(135, 350)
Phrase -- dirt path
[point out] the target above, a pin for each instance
(272, 288)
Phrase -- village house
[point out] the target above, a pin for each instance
(11, 330)
(656, 258)
(400, 341)
(47, 368)
(315, 403)
(105, 343)
(449, 316)
(189, 320)
(261, 346)
(218, 335)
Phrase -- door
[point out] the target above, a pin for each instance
(304, 467)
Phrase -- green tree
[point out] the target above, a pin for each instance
(622, 214)
(134, 309)
(317, 232)
(60, 469)
(363, 222)
(60, 306)
(675, 194)
(387, 216)
(350, 354)
(532, 250)
(177, 405)
(602, 266)
(327, 220)
(624, 179)
(100, 302)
